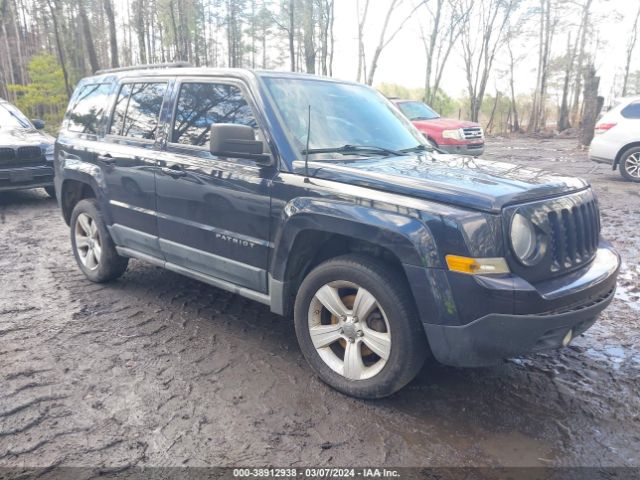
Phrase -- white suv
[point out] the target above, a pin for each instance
(617, 139)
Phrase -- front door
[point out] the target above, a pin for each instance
(213, 213)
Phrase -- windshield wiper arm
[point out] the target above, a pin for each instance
(423, 148)
(354, 149)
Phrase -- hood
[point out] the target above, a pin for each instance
(458, 180)
(21, 137)
(444, 123)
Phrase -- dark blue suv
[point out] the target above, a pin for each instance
(319, 198)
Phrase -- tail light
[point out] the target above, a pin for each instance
(604, 127)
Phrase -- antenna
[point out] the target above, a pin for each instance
(306, 152)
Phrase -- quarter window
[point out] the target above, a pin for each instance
(137, 110)
(87, 108)
(631, 111)
(200, 105)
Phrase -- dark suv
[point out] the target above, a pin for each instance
(26, 153)
(318, 198)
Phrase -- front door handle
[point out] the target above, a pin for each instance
(174, 172)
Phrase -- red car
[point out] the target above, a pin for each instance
(452, 136)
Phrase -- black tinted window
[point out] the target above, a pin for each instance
(631, 111)
(200, 105)
(87, 108)
(137, 110)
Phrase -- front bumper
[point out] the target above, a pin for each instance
(19, 178)
(473, 149)
(517, 317)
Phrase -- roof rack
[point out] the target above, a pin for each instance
(145, 67)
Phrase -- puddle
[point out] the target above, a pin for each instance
(629, 286)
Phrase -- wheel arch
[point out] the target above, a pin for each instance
(320, 230)
(621, 151)
(72, 190)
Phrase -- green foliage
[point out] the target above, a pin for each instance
(443, 103)
(45, 97)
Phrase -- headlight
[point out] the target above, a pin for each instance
(523, 239)
(454, 134)
(48, 153)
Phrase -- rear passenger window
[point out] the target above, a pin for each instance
(87, 108)
(631, 111)
(200, 105)
(137, 110)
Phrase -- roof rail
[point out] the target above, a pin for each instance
(145, 67)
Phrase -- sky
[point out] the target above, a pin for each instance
(403, 60)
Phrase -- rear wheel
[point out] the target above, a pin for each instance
(358, 328)
(93, 247)
(630, 164)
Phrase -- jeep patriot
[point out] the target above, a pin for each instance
(318, 198)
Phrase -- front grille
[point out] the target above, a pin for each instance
(472, 133)
(575, 235)
(7, 154)
(29, 153)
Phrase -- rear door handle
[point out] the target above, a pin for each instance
(108, 159)
(174, 172)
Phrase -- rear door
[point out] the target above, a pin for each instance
(213, 212)
(128, 159)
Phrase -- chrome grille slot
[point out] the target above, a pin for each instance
(472, 133)
(574, 235)
(7, 154)
(29, 153)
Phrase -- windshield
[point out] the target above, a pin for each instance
(341, 115)
(11, 117)
(417, 111)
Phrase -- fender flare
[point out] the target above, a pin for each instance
(88, 174)
(407, 237)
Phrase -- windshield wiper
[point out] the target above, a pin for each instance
(422, 148)
(355, 149)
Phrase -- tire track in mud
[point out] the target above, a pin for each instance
(156, 369)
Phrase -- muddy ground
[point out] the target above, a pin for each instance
(160, 370)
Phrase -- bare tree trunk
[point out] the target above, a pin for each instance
(592, 105)
(308, 35)
(138, 11)
(292, 38)
(56, 32)
(113, 38)
(362, 66)
(514, 107)
(88, 38)
(630, 47)
(383, 40)
(584, 25)
(563, 115)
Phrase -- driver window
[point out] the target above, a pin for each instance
(200, 105)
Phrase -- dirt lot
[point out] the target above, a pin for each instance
(156, 369)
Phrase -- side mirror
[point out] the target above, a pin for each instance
(239, 141)
(38, 124)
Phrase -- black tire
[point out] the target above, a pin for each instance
(51, 191)
(110, 265)
(409, 346)
(629, 155)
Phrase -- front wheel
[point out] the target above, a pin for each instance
(630, 164)
(92, 245)
(358, 328)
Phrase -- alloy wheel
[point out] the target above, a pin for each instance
(632, 165)
(349, 330)
(88, 244)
